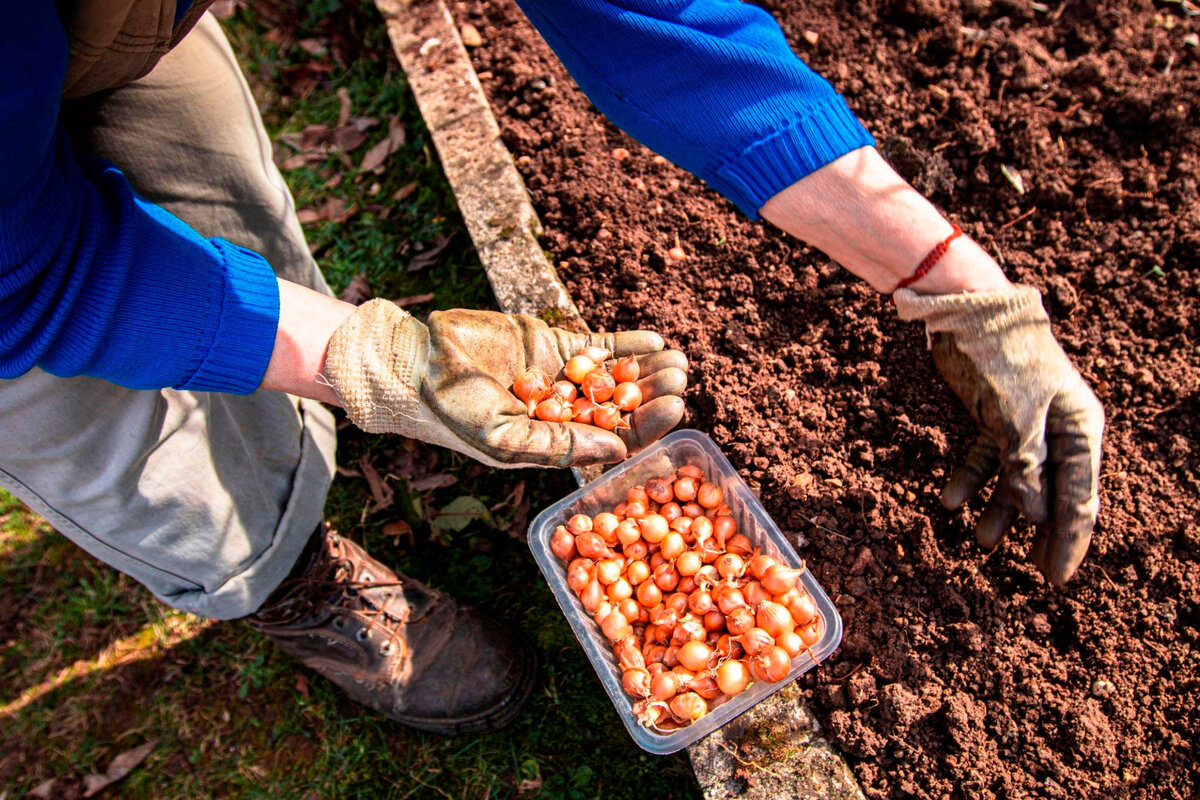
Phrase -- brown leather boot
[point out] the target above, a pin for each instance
(397, 646)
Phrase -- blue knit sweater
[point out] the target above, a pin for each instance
(96, 281)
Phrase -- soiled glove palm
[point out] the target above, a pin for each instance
(1040, 423)
(448, 383)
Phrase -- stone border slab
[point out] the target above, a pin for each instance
(490, 192)
(775, 750)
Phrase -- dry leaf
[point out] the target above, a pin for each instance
(438, 480)
(349, 138)
(302, 685)
(429, 256)
(405, 190)
(378, 154)
(344, 113)
(118, 768)
(358, 291)
(380, 491)
(294, 162)
(302, 79)
(529, 785)
(43, 790)
(334, 210)
(414, 300)
(397, 530)
(314, 47)
(305, 140)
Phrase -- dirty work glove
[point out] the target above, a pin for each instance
(448, 383)
(1040, 423)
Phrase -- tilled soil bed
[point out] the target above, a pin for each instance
(961, 673)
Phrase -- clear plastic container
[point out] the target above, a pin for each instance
(670, 452)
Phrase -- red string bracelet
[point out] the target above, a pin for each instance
(935, 254)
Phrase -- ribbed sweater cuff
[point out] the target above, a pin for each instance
(821, 134)
(245, 336)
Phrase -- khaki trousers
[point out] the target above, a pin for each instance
(207, 499)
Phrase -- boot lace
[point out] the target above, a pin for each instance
(326, 585)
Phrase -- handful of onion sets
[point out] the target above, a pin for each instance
(694, 612)
(593, 393)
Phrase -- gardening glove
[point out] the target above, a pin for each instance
(1040, 423)
(448, 383)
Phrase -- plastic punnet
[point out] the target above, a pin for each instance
(662, 457)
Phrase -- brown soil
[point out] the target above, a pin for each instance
(961, 673)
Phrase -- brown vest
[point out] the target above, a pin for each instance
(114, 42)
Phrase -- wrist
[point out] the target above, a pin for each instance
(864, 216)
(307, 321)
(964, 267)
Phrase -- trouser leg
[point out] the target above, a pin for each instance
(207, 499)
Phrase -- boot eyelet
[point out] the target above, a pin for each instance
(387, 648)
(339, 623)
(366, 577)
(362, 635)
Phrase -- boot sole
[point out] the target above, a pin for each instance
(486, 721)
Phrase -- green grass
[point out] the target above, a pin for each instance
(96, 666)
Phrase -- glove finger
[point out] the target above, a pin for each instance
(665, 359)
(652, 420)
(1076, 429)
(1023, 465)
(996, 519)
(519, 439)
(664, 383)
(561, 344)
(977, 469)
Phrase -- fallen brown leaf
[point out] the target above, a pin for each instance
(336, 210)
(377, 155)
(380, 491)
(294, 162)
(414, 300)
(429, 256)
(438, 480)
(349, 138)
(405, 190)
(302, 79)
(344, 113)
(529, 785)
(310, 137)
(358, 291)
(118, 768)
(43, 790)
(302, 685)
(399, 530)
(314, 47)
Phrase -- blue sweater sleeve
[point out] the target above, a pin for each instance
(710, 84)
(94, 280)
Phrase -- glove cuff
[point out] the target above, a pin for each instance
(973, 313)
(375, 362)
